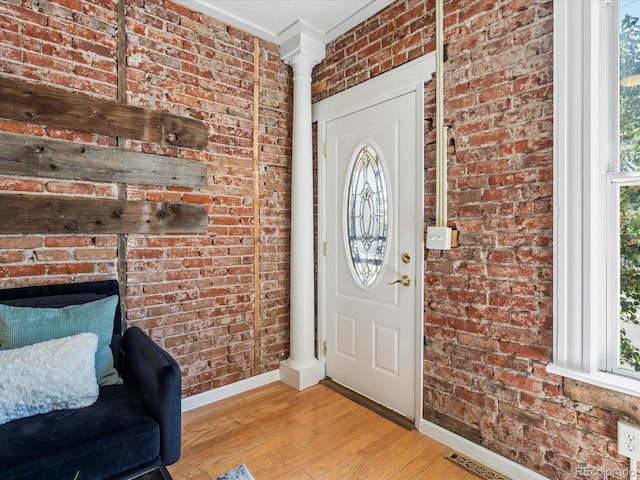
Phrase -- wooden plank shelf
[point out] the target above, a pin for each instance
(40, 214)
(50, 106)
(42, 157)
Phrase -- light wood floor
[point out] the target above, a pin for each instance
(280, 433)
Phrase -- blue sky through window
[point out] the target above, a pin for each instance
(630, 7)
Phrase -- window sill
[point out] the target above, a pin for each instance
(606, 380)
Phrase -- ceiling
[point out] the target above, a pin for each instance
(278, 20)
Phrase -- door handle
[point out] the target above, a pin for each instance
(405, 280)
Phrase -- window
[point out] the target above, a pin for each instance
(597, 193)
(625, 196)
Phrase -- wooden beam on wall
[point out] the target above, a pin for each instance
(122, 51)
(319, 88)
(122, 186)
(39, 214)
(42, 157)
(49, 106)
(256, 206)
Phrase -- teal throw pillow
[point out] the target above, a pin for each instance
(22, 326)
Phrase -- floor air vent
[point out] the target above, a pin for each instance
(474, 467)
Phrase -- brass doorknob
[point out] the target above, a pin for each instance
(404, 280)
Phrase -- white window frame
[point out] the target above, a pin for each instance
(585, 150)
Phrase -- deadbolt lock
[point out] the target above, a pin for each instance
(406, 258)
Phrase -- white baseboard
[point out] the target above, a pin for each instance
(477, 452)
(212, 396)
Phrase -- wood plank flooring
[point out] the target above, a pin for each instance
(316, 434)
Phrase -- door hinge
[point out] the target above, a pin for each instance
(324, 348)
(324, 149)
(324, 249)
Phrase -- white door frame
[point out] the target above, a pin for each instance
(409, 77)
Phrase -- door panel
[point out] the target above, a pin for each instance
(371, 215)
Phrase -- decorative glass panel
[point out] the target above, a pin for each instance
(367, 215)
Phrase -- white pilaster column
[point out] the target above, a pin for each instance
(302, 369)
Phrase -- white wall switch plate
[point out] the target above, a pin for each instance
(438, 238)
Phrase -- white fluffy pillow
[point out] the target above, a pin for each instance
(47, 376)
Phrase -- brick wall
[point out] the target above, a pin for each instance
(488, 304)
(194, 294)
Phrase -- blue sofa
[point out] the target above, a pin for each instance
(131, 428)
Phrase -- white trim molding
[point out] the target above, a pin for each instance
(217, 394)
(396, 82)
(579, 199)
(581, 123)
(479, 453)
(272, 20)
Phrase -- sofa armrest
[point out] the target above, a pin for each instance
(156, 376)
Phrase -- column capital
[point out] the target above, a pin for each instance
(303, 49)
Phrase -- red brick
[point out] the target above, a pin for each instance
(518, 381)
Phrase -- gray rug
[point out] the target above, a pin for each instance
(241, 472)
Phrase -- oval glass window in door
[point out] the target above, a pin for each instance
(366, 215)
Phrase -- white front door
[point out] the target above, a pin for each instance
(372, 260)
